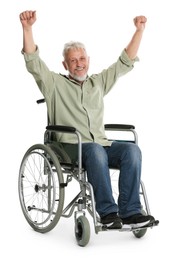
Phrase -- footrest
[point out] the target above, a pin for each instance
(150, 225)
(129, 228)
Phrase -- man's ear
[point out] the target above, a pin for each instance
(64, 64)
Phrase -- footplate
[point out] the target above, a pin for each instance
(129, 228)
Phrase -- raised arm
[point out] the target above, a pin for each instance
(27, 19)
(134, 44)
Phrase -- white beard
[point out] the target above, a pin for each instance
(77, 78)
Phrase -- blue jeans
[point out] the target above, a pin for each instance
(122, 155)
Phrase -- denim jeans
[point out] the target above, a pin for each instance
(127, 158)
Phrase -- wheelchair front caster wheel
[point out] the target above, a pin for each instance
(82, 231)
(140, 233)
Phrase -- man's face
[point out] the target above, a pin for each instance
(77, 63)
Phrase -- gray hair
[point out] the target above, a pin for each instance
(72, 45)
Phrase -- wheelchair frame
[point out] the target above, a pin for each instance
(44, 174)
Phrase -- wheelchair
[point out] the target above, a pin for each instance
(45, 173)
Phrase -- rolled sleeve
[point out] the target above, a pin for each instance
(31, 56)
(126, 60)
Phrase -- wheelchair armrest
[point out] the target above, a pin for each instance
(70, 130)
(61, 128)
(122, 128)
(119, 127)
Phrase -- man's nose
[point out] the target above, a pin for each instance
(78, 63)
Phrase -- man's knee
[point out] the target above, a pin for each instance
(94, 152)
(133, 152)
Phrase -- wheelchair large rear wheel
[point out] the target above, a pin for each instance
(41, 189)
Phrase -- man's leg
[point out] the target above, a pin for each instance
(95, 161)
(127, 157)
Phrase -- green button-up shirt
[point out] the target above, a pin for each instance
(70, 104)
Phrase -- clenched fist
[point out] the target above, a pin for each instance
(28, 18)
(140, 22)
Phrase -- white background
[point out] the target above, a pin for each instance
(142, 98)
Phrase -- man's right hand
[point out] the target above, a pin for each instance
(27, 18)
